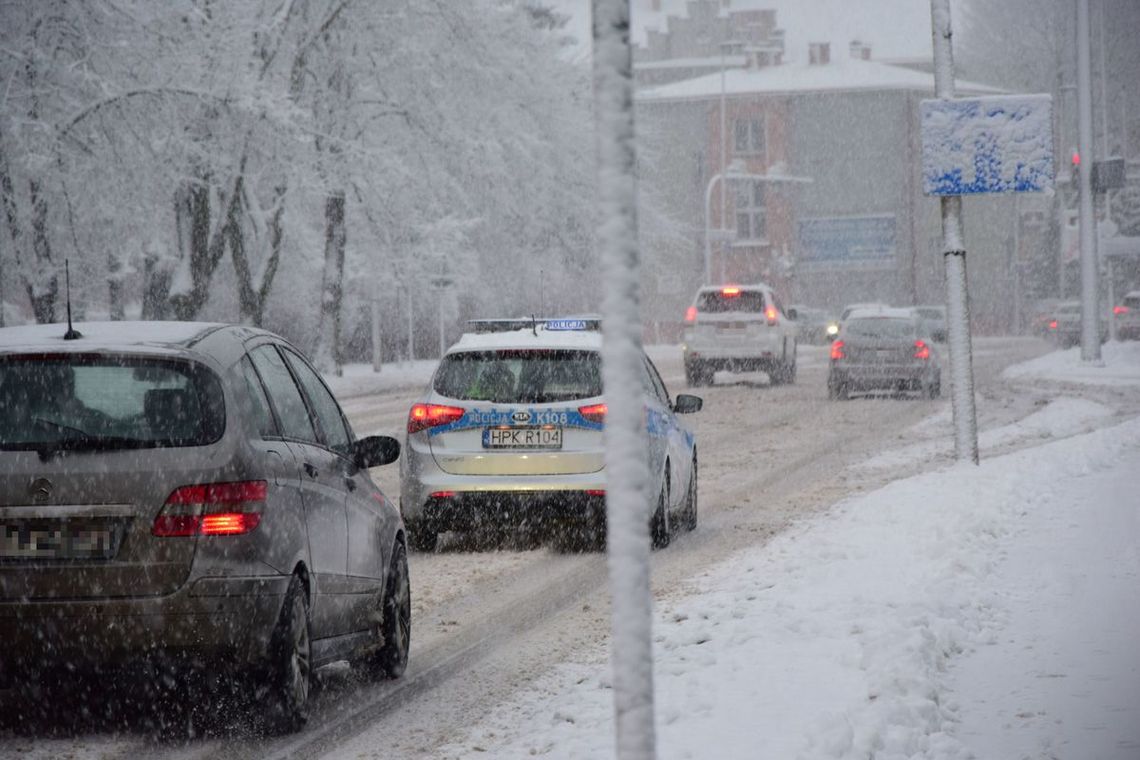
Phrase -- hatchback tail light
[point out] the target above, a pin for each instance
(211, 509)
(837, 350)
(921, 350)
(593, 412)
(424, 416)
(691, 314)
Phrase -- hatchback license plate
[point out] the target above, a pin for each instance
(53, 539)
(522, 438)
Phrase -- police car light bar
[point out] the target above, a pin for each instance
(550, 324)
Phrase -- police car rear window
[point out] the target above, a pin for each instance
(520, 376)
(716, 302)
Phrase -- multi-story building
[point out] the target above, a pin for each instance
(823, 197)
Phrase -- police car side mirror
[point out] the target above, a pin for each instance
(686, 404)
(375, 450)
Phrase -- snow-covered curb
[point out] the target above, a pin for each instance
(1119, 365)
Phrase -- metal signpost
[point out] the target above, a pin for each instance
(982, 145)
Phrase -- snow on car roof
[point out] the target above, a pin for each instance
(529, 338)
(102, 335)
(888, 312)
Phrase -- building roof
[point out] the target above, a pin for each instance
(840, 75)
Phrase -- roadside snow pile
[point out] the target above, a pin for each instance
(1060, 418)
(1120, 365)
(835, 639)
(361, 380)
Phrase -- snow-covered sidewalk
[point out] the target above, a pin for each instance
(987, 612)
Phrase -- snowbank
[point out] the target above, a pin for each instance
(1119, 365)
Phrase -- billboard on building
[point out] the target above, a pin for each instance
(850, 242)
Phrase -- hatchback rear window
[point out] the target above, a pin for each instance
(520, 376)
(1132, 302)
(880, 327)
(97, 402)
(716, 302)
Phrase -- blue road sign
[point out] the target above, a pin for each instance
(996, 144)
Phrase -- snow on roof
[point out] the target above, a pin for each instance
(102, 335)
(840, 75)
(710, 62)
(528, 338)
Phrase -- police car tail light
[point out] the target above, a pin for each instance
(424, 416)
(921, 350)
(593, 412)
(770, 313)
(691, 314)
(837, 350)
(213, 509)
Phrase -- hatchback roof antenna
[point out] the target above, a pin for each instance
(71, 333)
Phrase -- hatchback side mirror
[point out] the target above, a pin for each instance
(686, 404)
(375, 450)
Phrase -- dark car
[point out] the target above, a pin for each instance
(883, 350)
(191, 493)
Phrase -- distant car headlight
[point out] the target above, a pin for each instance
(832, 328)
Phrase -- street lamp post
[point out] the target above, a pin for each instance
(735, 170)
(440, 285)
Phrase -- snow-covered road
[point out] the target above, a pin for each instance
(488, 623)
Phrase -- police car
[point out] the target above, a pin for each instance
(510, 433)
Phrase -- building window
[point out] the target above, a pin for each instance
(749, 136)
(750, 213)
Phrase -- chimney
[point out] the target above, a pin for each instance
(819, 53)
(860, 50)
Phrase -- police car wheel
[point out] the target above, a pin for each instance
(659, 527)
(691, 500)
(421, 538)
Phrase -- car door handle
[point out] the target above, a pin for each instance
(311, 470)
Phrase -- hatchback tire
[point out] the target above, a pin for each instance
(291, 661)
(394, 621)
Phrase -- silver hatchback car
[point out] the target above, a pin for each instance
(191, 493)
(510, 434)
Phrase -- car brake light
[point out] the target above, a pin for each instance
(1053, 325)
(424, 416)
(442, 494)
(211, 509)
(921, 350)
(730, 291)
(593, 412)
(691, 314)
(595, 492)
(1119, 309)
(770, 313)
(837, 350)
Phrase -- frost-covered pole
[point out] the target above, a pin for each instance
(1090, 320)
(954, 254)
(627, 503)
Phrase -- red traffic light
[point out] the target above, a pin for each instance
(1076, 158)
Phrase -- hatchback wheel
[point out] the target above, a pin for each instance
(393, 633)
(291, 660)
